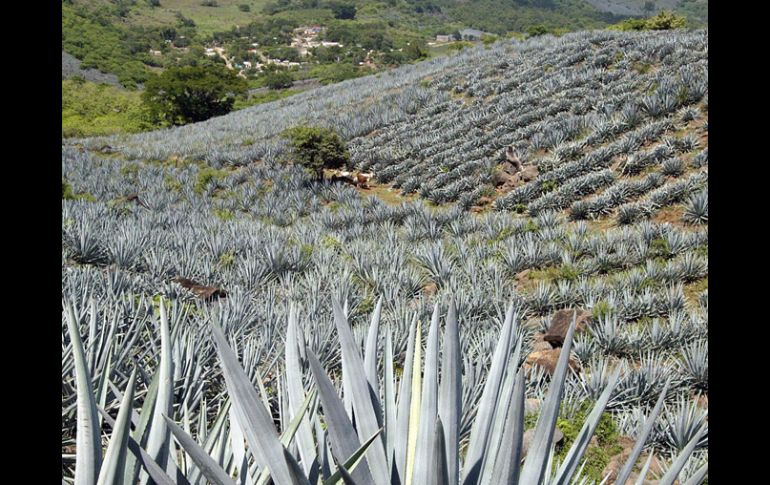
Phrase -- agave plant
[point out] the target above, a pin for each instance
(399, 435)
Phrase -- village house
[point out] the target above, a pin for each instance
(443, 38)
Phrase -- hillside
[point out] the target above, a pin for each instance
(454, 261)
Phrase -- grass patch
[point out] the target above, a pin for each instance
(90, 109)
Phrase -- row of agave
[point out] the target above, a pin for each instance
(384, 429)
(414, 134)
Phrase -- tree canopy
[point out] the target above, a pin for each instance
(183, 95)
(316, 148)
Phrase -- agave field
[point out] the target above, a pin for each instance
(227, 319)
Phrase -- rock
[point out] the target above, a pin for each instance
(560, 323)
(508, 168)
(522, 276)
(537, 347)
(547, 359)
(528, 173)
(484, 200)
(531, 405)
(201, 291)
(502, 179)
(530, 433)
(617, 461)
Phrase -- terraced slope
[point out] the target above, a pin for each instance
(614, 124)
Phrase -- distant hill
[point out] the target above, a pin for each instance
(70, 67)
(695, 10)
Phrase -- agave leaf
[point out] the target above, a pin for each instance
(508, 462)
(643, 471)
(535, 465)
(296, 392)
(343, 437)
(450, 397)
(158, 440)
(289, 433)
(423, 468)
(115, 458)
(699, 475)
(440, 474)
(498, 427)
(370, 354)
(365, 404)
(625, 472)
(401, 439)
(681, 459)
(352, 462)
(88, 454)
(208, 467)
(346, 478)
(488, 402)
(237, 443)
(156, 473)
(580, 445)
(139, 434)
(256, 422)
(390, 400)
(415, 406)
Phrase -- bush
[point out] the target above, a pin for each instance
(278, 80)
(663, 21)
(316, 148)
(244, 7)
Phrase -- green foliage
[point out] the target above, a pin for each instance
(278, 79)
(68, 194)
(549, 185)
(665, 20)
(190, 94)
(90, 109)
(228, 258)
(343, 11)
(488, 39)
(225, 215)
(92, 37)
(568, 272)
(316, 148)
(641, 67)
(209, 3)
(601, 309)
(334, 73)
(537, 30)
(244, 7)
(206, 176)
(259, 98)
(596, 458)
(659, 248)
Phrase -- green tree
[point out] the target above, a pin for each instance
(343, 11)
(195, 93)
(278, 79)
(316, 148)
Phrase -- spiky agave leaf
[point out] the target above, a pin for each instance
(450, 394)
(252, 415)
(365, 403)
(342, 436)
(89, 445)
(424, 462)
(112, 469)
(488, 401)
(208, 467)
(535, 465)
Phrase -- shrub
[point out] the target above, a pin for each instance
(244, 7)
(316, 148)
(278, 80)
